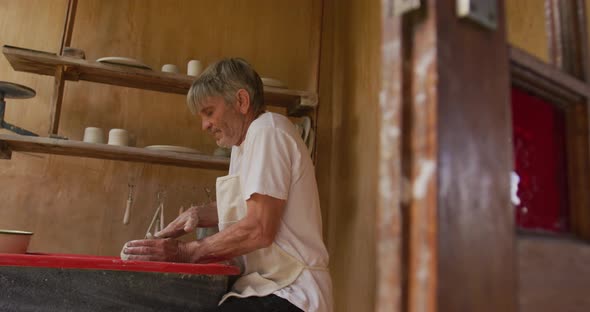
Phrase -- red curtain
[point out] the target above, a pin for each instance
(539, 148)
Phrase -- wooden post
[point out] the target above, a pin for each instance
(59, 81)
(458, 249)
(476, 235)
(56, 99)
(419, 156)
(389, 216)
(66, 36)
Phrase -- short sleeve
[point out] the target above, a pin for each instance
(267, 163)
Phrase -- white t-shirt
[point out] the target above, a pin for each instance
(274, 161)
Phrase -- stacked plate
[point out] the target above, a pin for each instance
(173, 148)
(123, 61)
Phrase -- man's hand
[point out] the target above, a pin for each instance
(185, 223)
(166, 250)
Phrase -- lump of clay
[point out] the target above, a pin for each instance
(124, 256)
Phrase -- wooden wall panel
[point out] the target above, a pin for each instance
(348, 146)
(36, 24)
(76, 205)
(553, 275)
(527, 28)
(175, 32)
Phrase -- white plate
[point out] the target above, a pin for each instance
(270, 82)
(306, 125)
(173, 148)
(125, 61)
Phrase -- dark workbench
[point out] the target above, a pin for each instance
(43, 282)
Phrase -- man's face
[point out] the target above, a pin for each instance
(224, 122)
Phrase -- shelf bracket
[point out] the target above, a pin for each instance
(302, 106)
(5, 151)
(57, 98)
(72, 73)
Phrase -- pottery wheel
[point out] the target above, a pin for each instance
(9, 90)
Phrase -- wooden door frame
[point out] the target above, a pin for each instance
(445, 222)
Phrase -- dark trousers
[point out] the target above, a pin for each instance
(270, 303)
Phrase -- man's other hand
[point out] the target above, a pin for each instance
(185, 223)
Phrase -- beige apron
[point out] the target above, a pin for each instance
(266, 270)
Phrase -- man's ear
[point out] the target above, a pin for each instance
(243, 101)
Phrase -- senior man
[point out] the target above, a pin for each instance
(267, 207)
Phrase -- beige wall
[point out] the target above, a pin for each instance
(75, 205)
(348, 146)
(526, 26)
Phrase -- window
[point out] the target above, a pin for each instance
(549, 70)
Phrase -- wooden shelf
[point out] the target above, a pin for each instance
(44, 63)
(18, 143)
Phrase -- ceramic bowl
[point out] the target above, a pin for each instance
(118, 137)
(170, 68)
(14, 241)
(74, 52)
(194, 68)
(93, 135)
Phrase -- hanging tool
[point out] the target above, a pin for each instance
(208, 191)
(148, 233)
(156, 223)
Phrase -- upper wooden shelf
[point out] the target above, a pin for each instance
(18, 143)
(45, 63)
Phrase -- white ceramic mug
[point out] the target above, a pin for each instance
(194, 68)
(93, 135)
(170, 68)
(118, 137)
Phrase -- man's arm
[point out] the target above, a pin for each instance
(256, 230)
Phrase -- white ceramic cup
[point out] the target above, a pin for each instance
(170, 68)
(118, 137)
(194, 68)
(93, 135)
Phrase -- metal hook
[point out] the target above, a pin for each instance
(208, 191)
(131, 187)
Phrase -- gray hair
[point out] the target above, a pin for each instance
(224, 79)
